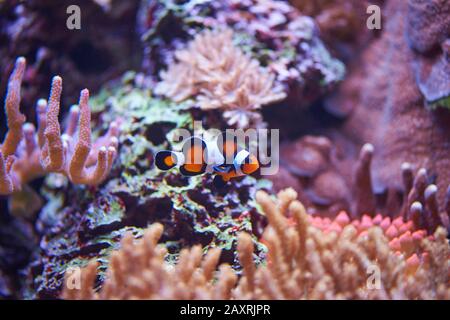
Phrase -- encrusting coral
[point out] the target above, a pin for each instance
(220, 76)
(28, 153)
(306, 260)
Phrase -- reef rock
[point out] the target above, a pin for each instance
(80, 223)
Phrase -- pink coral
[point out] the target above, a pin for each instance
(27, 154)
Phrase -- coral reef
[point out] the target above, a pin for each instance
(306, 260)
(398, 122)
(329, 181)
(220, 76)
(26, 154)
(138, 271)
(79, 223)
(338, 20)
(366, 160)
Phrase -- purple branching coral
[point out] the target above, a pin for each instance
(28, 153)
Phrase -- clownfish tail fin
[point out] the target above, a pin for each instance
(165, 160)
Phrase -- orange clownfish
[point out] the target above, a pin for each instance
(226, 160)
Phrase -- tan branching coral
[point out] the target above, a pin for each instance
(220, 76)
(27, 154)
(138, 271)
(308, 258)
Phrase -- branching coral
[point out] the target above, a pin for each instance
(305, 262)
(27, 154)
(308, 258)
(220, 76)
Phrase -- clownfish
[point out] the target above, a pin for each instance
(223, 158)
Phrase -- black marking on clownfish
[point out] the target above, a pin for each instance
(223, 168)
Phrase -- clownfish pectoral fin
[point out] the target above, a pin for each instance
(195, 157)
(165, 160)
(219, 182)
(223, 168)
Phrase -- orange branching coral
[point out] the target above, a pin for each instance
(220, 76)
(27, 154)
(308, 258)
(138, 271)
(306, 262)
